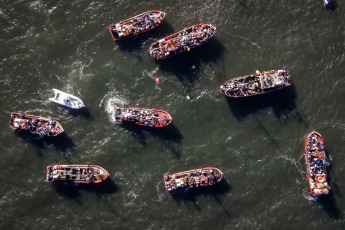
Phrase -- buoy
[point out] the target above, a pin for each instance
(157, 80)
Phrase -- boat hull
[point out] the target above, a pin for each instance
(35, 124)
(136, 25)
(85, 174)
(143, 117)
(193, 178)
(257, 84)
(316, 164)
(66, 99)
(182, 41)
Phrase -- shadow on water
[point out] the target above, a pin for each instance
(190, 195)
(181, 64)
(62, 142)
(330, 206)
(169, 135)
(282, 103)
(328, 201)
(332, 7)
(331, 175)
(73, 191)
(135, 43)
(83, 112)
(244, 3)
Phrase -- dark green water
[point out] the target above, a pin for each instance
(258, 143)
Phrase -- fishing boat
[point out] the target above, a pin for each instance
(182, 41)
(76, 173)
(35, 124)
(256, 84)
(328, 2)
(136, 25)
(193, 178)
(144, 117)
(316, 161)
(66, 99)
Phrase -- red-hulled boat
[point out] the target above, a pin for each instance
(316, 161)
(35, 124)
(193, 178)
(76, 173)
(182, 41)
(145, 117)
(260, 83)
(136, 25)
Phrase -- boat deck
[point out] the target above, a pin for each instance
(136, 25)
(76, 173)
(145, 117)
(317, 164)
(193, 178)
(260, 83)
(35, 124)
(182, 41)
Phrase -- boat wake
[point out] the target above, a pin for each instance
(151, 74)
(111, 101)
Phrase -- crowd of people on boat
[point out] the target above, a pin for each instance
(146, 117)
(137, 25)
(87, 173)
(256, 84)
(317, 165)
(183, 41)
(192, 178)
(37, 125)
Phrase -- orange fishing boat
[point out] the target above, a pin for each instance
(182, 41)
(316, 161)
(193, 178)
(260, 83)
(136, 25)
(144, 117)
(76, 173)
(35, 124)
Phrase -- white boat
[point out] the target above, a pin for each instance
(66, 99)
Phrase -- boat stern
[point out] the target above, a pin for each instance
(114, 33)
(222, 89)
(118, 115)
(49, 173)
(167, 179)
